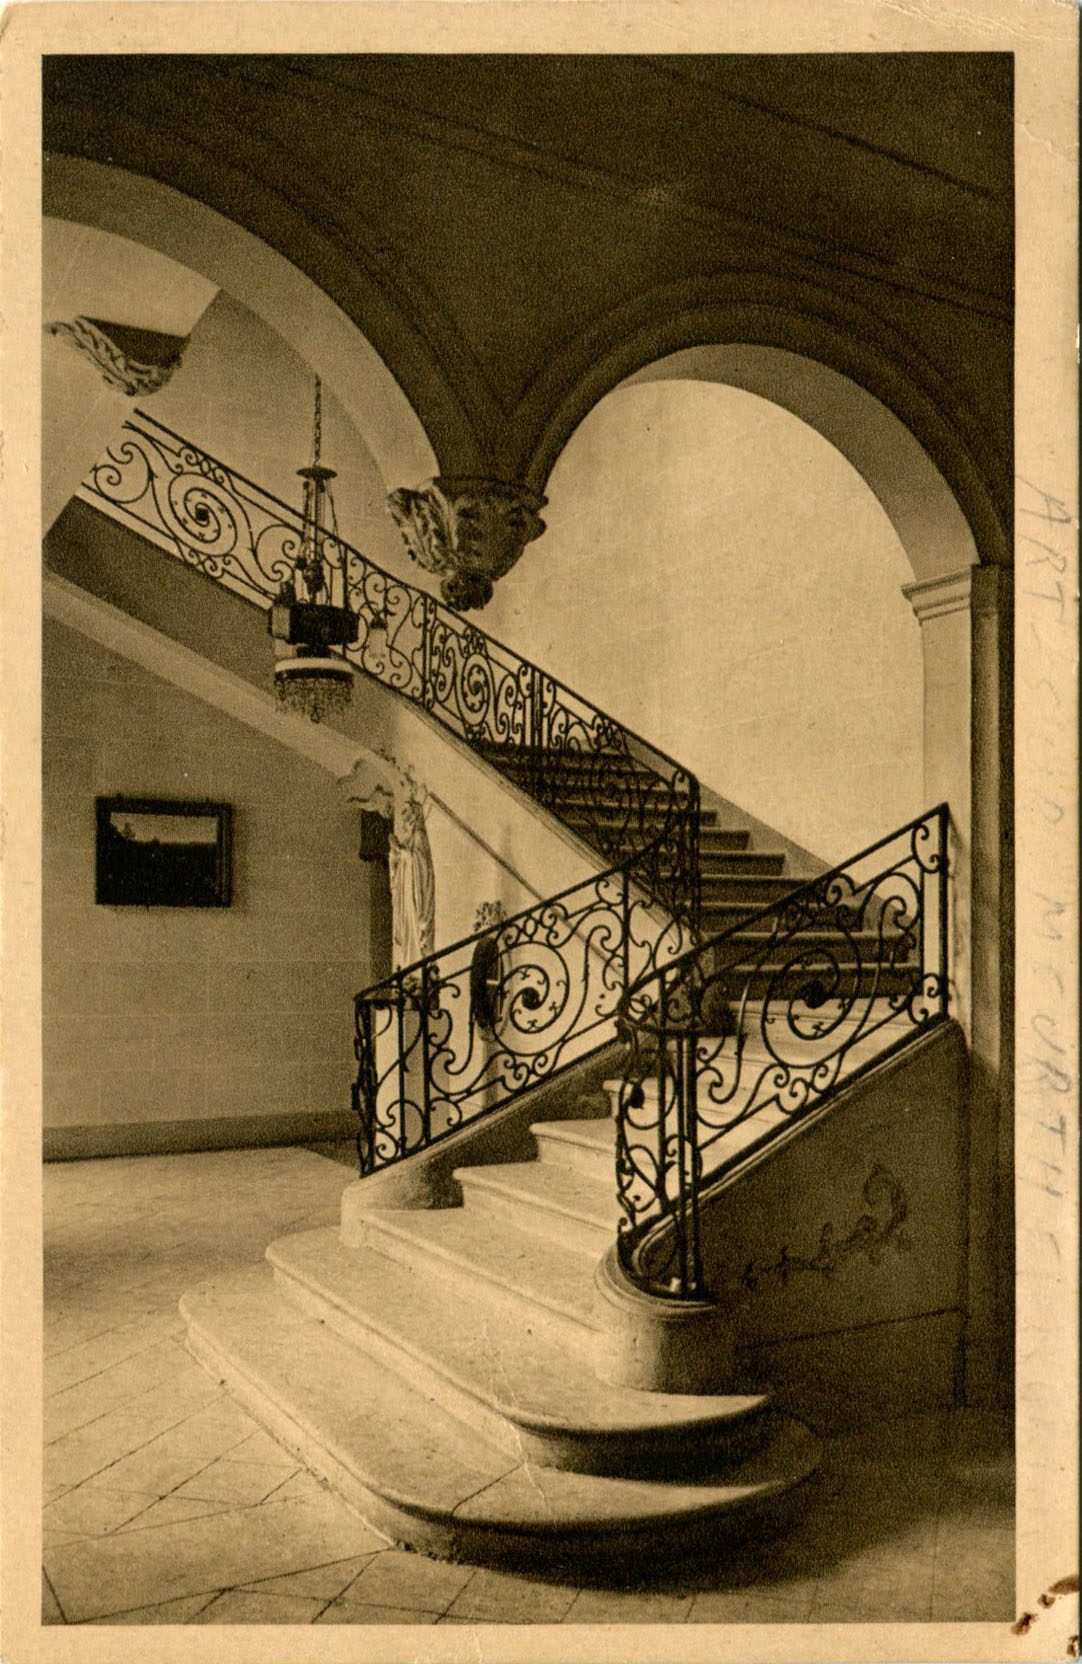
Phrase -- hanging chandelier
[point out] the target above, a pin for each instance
(311, 617)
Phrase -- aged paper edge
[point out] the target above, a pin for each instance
(1043, 35)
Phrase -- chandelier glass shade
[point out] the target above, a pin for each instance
(311, 620)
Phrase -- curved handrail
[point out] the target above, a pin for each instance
(434, 1056)
(748, 1032)
(291, 516)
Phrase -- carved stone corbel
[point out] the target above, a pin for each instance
(469, 532)
(135, 362)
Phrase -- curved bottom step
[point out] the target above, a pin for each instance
(425, 1480)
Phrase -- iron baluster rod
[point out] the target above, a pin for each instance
(401, 1022)
(944, 884)
(426, 1006)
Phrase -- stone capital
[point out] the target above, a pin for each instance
(935, 597)
(467, 531)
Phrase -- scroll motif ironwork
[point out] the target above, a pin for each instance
(731, 1041)
(620, 794)
(468, 1029)
(749, 1032)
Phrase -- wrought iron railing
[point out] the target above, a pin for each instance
(748, 1033)
(510, 711)
(470, 1028)
(732, 1041)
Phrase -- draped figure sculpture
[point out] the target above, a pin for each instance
(381, 783)
(413, 878)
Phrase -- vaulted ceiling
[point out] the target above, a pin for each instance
(497, 224)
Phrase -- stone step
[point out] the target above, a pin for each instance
(722, 915)
(722, 840)
(766, 863)
(587, 1146)
(644, 817)
(517, 1386)
(465, 1248)
(552, 1202)
(422, 1478)
(753, 890)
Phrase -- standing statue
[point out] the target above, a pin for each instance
(413, 878)
(380, 783)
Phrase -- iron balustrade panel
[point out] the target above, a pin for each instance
(756, 1028)
(209, 517)
(447, 1041)
(476, 686)
(620, 794)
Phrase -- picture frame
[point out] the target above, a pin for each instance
(157, 852)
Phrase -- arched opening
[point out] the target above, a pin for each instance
(275, 291)
(945, 524)
(718, 576)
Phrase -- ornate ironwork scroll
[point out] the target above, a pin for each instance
(621, 795)
(468, 1029)
(731, 1041)
(750, 1032)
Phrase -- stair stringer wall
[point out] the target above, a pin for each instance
(840, 1255)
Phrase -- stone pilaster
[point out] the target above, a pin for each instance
(469, 532)
(965, 638)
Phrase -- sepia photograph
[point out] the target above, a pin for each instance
(549, 712)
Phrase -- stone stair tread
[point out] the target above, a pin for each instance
(423, 1459)
(595, 1133)
(552, 1189)
(412, 1469)
(560, 1278)
(789, 1458)
(533, 1382)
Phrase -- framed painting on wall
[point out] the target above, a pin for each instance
(153, 852)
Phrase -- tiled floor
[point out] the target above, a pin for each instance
(165, 1504)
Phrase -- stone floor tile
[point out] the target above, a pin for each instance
(190, 1556)
(991, 1602)
(77, 1405)
(165, 1612)
(183, 1450)
(326, 1581)
(169, 1509)
(50, 1606)
(260, 1447)
(228, 1480)
(395, 1578)
(73, 1328)
(244, 1606)
(750, 1606)
(52, 1536)
(342, 1612)
(80, 1362)
(872, 1603)
(301, 1485)
(626, 1606)
(88, 1450)
(511, 1598)
(92, 1510)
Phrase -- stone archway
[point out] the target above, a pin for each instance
(147, 212)
(962, 603)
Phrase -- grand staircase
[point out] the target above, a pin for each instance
(440, 1368)
(541, 1370)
